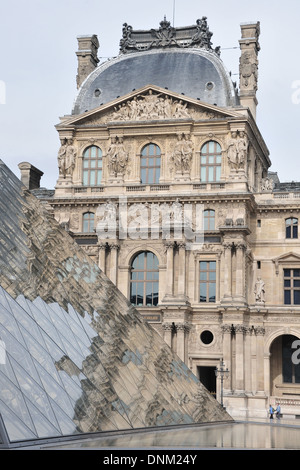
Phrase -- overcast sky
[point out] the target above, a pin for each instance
(38, 66)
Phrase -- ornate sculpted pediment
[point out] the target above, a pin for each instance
(150, 104)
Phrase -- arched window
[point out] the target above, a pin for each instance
(211, 159)
(88, 222)
(209, 219)
(92, 166)
(291, 228)
(144, 280)
(150, 164)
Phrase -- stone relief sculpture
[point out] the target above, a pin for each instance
(151, 106)
(182, 155)
(249, 70)
(259, 291)
(267, 184)
(66, 158)
(117, 157)
(237, 150)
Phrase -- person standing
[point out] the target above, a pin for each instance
(271, 411)
(278, 411)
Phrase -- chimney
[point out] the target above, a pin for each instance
(30, 175)
(250, 47)
(87, 56)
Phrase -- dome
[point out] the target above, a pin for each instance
(197, 72)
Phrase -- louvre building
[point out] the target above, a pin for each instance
(166, 246)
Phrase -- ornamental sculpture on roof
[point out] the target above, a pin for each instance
(167, 36)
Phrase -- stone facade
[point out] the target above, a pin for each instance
(221, 290)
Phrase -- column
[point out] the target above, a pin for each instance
(227, 331)
(114, 247)
(248, 368)
(102, 255)
(260, 332)
(181, 341)
(168, 332)
(181, 270)
(227, 270)
(169, 245)
(240, 271)
(239, 358)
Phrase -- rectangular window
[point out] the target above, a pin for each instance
(291, 285)
(207, 281)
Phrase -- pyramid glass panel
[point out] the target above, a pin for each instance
(77, 356)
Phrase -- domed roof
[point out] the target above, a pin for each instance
(196, 71)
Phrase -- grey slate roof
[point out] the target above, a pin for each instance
(187, 71)
(78, 357)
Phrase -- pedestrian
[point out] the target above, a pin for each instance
(278, 411)
(271, 411)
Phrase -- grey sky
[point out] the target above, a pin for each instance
(39, 65)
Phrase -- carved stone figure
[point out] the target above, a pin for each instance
(259, 290)
(232, 151)
(267, 184)
(151, 106)
(242, 147)
(117, 157)
(237, 150)
(249, 70)
(182, 154)
(66, 158)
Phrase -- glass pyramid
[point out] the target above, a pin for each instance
(75, 356)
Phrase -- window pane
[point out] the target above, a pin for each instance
(218, 173)
(210, 174)
(85, 178)
(212, 292)
(296, 297)
(296, 272)
(203, 292)
(211, 147)
(150, 176)
(157, 175)
(203, 173)
(287, 272)
(287, 297)
(295, 231)
(92, 177)
(99, 176)
(143, 175)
